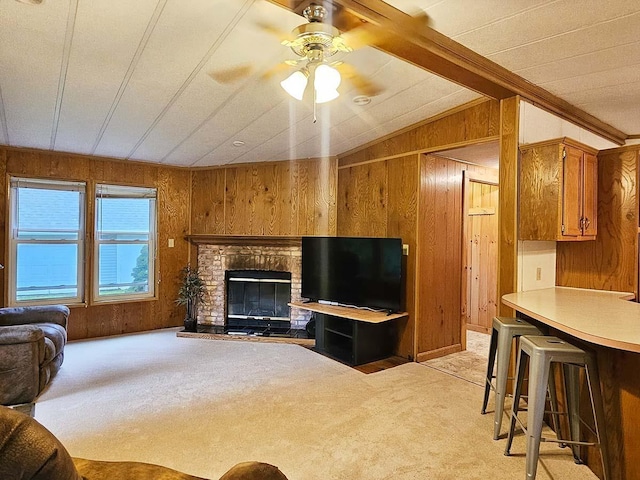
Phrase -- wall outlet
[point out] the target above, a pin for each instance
(405, 249)
(538, 273)
(171, 243)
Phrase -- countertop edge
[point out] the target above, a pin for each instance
(580, 334)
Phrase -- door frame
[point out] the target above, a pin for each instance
(467, 178)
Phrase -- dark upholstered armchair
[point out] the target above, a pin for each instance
(32, 341)
(28, 451)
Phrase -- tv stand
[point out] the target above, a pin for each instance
(351, 335)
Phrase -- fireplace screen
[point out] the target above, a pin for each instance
(258, 299)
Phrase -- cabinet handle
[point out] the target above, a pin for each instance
(581, 224)
(586, 223)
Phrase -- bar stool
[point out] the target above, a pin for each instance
(505, 329)
(540, 352)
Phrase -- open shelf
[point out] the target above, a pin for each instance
(336, 332)
(353, 313)
(354, 342)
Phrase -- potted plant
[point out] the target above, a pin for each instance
(191, 292)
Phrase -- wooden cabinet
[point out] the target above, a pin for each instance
(558, 191)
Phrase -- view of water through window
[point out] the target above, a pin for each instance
(49, 241)
(49, 228)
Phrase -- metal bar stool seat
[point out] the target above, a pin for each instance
(504, 330)
(540, 352)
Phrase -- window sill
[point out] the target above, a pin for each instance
(122, 300)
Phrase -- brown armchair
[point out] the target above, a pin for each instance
(28, 451)
(32, 341)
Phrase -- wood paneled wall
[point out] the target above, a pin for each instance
(508, 205)
(611, 261)
(280, 198)
(439, 272)
(476, 121)
(380, 199)
(387, 188)
(173, 222)
(621, 391)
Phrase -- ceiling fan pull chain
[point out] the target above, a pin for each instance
(315, 105)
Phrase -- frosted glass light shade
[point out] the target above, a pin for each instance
(295, 84)
(326, 77)
(325, 95)
(326, 82)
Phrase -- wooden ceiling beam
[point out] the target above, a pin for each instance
(412, 40)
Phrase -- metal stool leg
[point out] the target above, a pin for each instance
(520, 370)
(490, 364)
(503, 354)
(538, 381)
(553, 400)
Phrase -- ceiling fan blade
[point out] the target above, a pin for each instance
(364, 36)
(233, 74)
(368, 34)
(362, 84)
(275, 31)
(275, 70)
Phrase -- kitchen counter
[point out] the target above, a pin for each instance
(600, 317)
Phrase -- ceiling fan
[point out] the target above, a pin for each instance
(314, 43)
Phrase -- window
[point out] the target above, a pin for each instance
(46, 241)
(124, 243)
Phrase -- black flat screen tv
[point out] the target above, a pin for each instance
(355, 271)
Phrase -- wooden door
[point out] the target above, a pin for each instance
(572, 188)
(480, 251)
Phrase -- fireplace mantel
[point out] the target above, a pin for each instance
(245, 240)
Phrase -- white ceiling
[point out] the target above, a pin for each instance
(486, 154)
(129, 79)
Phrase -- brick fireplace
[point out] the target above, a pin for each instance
(218, 254)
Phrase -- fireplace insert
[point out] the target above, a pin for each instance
(257, 302)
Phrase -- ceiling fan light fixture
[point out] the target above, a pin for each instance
(296, 83)
(326, 78)
(326, 82)
(326, 95)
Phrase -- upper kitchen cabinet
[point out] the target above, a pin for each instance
(558, 191)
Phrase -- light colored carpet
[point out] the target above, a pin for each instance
(201, 406)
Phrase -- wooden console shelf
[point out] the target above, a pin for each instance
(352, 335)
(348, 312)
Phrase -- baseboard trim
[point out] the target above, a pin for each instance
(440, 352)
(478, 328)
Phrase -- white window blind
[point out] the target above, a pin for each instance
(46, 241)
(125, 242)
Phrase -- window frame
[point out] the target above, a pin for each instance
(14, 241)
(125, 191)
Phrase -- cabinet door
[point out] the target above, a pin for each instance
(590, 195)
(572, 190)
